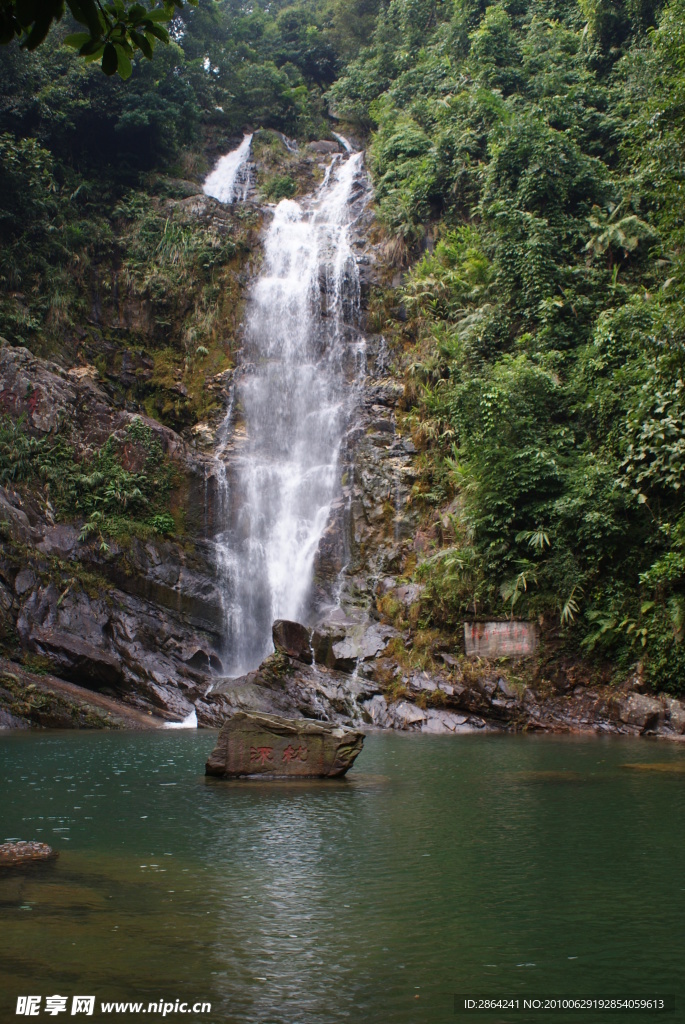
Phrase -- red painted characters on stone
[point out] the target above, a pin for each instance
(9, 400)
(295, 753)
(262, 754)
(32, 400)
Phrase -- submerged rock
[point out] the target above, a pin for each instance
(14, 854)
(266, 745)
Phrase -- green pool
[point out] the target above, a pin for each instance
(485, 865)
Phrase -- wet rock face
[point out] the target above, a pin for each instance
(293, 639)
(381, 522)
(268, 746)
(324, 146)
(675, 715)
(372, 523)
(638, 710)
(141, 620)
(290, 688)
(44, 701)
(16, 854)
(10, 721)
(154, 654)
(410, 718)
(336, 643)
(50, 398)
(360, 644)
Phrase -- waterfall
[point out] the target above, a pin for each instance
(292, 403)
(230, 179)
(189, 722)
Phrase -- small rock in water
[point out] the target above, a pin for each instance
(255, 744)
(14, 854)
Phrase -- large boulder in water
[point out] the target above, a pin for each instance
(255, 744)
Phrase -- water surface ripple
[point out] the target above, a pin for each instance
(441, 865)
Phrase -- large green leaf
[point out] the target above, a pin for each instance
(77, 39)
(142, 43)
(124, 65)
(110, 61)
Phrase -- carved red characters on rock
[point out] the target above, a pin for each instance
(294, 753)
(261, 754)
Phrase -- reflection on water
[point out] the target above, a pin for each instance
(505, 865)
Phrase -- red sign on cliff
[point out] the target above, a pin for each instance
(511, 639)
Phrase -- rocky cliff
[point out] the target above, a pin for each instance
(117, 619)
(136, 618)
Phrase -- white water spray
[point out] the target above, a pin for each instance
(189, 722)
(230, 179)
(294, 402)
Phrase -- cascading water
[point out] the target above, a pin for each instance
(293, 400)
(230, 179)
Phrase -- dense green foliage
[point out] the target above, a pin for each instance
(230, 64)
(95, 486)
(527, 159)
(101, 261)
(77, 151)
(535, 151)
(111, 33)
